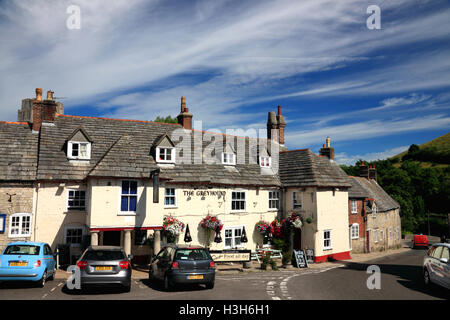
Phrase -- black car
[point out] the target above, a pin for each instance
(181, 264)
(105, 265)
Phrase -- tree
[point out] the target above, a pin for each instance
(167, 119)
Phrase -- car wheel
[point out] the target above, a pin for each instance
(52, 277)
(426, 277)
(41, 283)
(167, 284)
(210, 285)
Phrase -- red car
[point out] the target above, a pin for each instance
(420, 240)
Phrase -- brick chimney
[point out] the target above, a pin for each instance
(372, 173)
(185, 118)
(35, 111)
(326, 150)
(364, 170)
(281, 126)
(275, 126)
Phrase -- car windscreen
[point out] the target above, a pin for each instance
(104, 255)
(192, 254)
(23, 250)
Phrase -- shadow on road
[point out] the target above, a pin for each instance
(409, 276)
(93, 290)
(158, 286)
(17, 285)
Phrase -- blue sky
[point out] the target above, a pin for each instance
(374, 92)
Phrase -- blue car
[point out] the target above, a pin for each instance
(27, 261)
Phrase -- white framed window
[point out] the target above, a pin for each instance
(228, 158)
(74, 236)
(20, 225)
(265, 161)
(274, 200)
(79, 150)
(170, 197)
(128, 196)
(76, 200)
(233, 237)
(165, 155)
(297, 200)
(390, 233)
(355, 231)
(354, 207)
(238, 201)
(375, 236)
(374, 211)
(327, 240)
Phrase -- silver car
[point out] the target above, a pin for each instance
(105, 265)
(436, 265)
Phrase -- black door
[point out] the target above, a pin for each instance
(297, 239)
(111, 238)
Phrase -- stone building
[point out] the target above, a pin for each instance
(374, 217)
(18, 163)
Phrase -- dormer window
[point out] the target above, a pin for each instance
(265, 161)
(164, 150)
(165, 155)
(79, 150)
(79, 145)
(228, 158)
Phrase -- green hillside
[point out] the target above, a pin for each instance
(434, 153)
(419, 180)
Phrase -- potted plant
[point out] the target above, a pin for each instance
(172, 228)
(211, 223)
(265, 260)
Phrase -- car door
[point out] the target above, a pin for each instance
(49, 259)
(163, 263)
(445, 267)
(156, 263)
(435, 267)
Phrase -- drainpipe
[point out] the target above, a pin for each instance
(35, 210)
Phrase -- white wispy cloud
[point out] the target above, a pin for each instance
(344, 158)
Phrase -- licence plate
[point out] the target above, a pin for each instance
(103, 268)
(195, 276)
(18, 264)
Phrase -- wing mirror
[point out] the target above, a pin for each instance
(444, 260)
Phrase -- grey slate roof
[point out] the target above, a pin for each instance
(18, 151)
(383, 201)
(357, 190)
(123, 148)
(303, 168)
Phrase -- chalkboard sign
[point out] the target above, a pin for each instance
(309, 255)
(300, 259)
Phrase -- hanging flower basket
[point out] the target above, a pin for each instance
(293, 220)
(211, 223)
(276, 229)
(173, 226)
(262, 227)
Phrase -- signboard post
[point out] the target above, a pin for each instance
(300, 258)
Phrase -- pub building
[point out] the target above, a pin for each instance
(114, 182)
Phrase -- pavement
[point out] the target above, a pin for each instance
(141, 272)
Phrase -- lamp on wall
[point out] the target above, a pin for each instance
(218, 238)
(187, 235)
(244, 236)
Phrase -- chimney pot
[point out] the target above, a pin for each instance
(50, 95)
(328, 140)
(39, 94)
(183, 103)
(279, 110)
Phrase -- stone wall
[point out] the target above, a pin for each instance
(15, 198)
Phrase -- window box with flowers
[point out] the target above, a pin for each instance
(172, 228)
